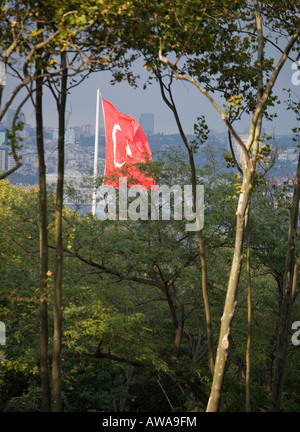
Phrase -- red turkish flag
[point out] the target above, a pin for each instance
(126, 145)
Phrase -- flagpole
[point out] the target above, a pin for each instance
(96, 153)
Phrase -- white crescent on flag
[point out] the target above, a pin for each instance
(128, 151)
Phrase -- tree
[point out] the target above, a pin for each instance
(191, 33)
(91, 62)
(289, 284)
(45, 374)
(202, 131)
(57, 336)
(46, 32)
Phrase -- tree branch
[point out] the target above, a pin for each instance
(209, 97)
(110, 271)
(100, 355)
(268, 89)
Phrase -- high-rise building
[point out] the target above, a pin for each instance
(2, 74)
(70, 136)
(88, 130)
(147, 123)
(11, 163)
(238, 152)
(9, 116)
(2, 137)
(2, 160)
(7, 161)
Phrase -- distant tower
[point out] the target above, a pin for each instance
(2, 160)
(238, 152)
(11, 163)
(147, 123)
(9, 116)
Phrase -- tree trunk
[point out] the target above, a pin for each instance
(285, 306)
(229, 310)
(249, 306)
(44, 366)
(202, 255)
(171, 104)
(177, 314)
(178, 337)
(57, 336)
(205, 296)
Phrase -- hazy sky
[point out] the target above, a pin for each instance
(191, 103)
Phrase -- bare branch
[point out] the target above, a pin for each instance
(268, 89)
(13, 149)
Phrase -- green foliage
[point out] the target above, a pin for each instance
(118, 332)
(128, 286)
(201, 132)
